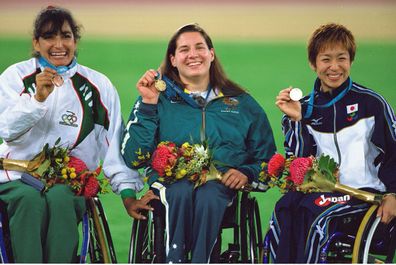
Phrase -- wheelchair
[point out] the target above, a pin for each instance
(147, 243)
(359, 238)
(97, 243)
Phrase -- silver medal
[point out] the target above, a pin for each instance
(296, 94)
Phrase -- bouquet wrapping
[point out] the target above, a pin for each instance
(310, 174)
(54, 165)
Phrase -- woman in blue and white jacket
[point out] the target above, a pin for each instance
(84, 112)
(347, 121)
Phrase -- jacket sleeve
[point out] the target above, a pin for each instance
(260, 145)
(18, 112)
(298, 141)
(384, 137)
(121, 177)
(140, 135)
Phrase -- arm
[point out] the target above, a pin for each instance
(260, 145)
(298, 141)
(384, 137)
(141, 131)
(19, 112)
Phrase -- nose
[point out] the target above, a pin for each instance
(334, 65)
(58, 41)
(192, 53)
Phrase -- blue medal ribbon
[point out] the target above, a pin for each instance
(59, 69)
(310, 104)
(176, 89)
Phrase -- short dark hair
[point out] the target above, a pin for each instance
(55, 17)
(330, 34)
(217, 75)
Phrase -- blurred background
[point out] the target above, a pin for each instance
(261, 44)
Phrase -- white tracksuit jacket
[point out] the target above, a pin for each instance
(84, 112)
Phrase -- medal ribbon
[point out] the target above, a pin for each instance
(187, 98)
(310, 107)
(59, 69)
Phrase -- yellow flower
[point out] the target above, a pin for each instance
(66, 159)
(135, 163)
(64, 171)
(186, 145)
(73, 175)
(72, 169)
(64, 176)
(145, 179)
(183, 172)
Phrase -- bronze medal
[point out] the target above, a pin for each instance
(160, 85)
(57, 80)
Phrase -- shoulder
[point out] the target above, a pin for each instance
(21, 69)
(373, 99)
(95, 77)
(248, 104)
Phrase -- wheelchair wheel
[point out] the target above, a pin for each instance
(147, 240)
(100, 247)
(250, 230)
(362, 247)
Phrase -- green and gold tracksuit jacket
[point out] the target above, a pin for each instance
(236, 129)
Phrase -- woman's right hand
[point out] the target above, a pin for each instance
(44, 85)
(147, 89)
(286, 105)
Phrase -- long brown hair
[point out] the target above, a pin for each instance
(217, 76)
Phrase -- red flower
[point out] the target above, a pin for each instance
(91, 187)
(163, 156)
(276, 165)
(77, 163)
(298, 168)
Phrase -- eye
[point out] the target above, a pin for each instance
(47, 35)
(67, 35)
(183, 50)
(325, 60)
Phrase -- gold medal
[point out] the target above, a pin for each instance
(160, 85)
(57, 80)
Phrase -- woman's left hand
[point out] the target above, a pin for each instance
(234, 179)
(387, 209)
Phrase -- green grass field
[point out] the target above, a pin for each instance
(263, 68)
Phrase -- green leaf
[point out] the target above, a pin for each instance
(57, 141)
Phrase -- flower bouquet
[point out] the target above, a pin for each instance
(309, 174)
(173, 163)
(54, 165)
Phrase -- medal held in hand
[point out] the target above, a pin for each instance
(57, 80)
(295, 94)
(159, 84)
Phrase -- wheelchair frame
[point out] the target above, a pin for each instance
(353, 248)
(97, 242)
(148, 237)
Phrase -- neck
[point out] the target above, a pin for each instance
(196, 85)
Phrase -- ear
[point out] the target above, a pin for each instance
(313, 67)
(212, 54)
(36, 45)
(172, 60)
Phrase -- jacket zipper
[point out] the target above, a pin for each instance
(335, 135)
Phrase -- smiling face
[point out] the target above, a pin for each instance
(57, 48)
(333, 66)
(192, 57)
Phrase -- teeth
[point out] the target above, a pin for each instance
(193, 64)
(58, 53)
